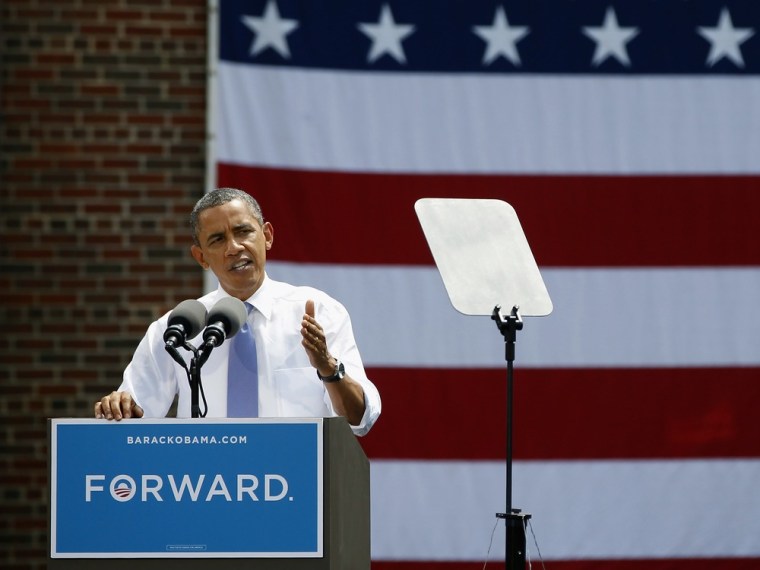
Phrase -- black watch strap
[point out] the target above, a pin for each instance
(340, 372)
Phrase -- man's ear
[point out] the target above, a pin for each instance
(197, 254)
(268, 235)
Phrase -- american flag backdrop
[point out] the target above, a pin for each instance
(626, 135)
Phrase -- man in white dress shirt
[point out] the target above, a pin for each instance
(298, 375)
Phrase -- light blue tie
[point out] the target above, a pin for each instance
(243, 375)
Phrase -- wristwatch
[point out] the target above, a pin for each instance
(340, 372)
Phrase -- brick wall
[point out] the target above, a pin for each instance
(102, 138)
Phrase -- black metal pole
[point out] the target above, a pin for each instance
(510, 408)
(514, 520)
(195, 383)
(515, 533)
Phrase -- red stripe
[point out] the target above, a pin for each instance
(567, 414)
(656, 564)
(576, 221)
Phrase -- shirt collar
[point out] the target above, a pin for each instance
(262, 300)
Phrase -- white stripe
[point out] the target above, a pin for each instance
(602, 317)
(580, 510)
(370, 122)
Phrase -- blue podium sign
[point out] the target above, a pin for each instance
(186, 488)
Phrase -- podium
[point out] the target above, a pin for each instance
(226, 494)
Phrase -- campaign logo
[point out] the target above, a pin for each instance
(123, 488)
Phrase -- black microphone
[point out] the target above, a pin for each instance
(224, 320)
(185, 322)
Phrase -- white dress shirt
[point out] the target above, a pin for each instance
(288, 384)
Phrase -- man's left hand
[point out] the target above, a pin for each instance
(315, 343)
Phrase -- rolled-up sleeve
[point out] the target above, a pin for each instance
(150, 377)
(342, 345)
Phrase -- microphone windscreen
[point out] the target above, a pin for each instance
(191, 314)
(231, 312)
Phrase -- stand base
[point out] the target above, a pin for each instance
(515, 538)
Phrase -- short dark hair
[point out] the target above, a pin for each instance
(217, 198)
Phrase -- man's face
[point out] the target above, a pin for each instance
(233, 245)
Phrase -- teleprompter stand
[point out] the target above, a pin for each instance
(514, 520)
(485, 262)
